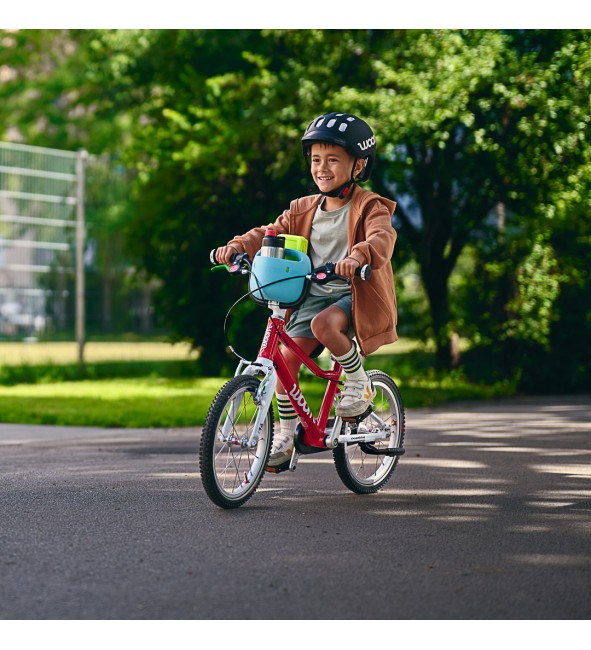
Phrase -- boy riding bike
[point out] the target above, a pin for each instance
(352, 226)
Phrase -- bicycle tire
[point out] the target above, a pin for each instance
(367, 473)
(231, 470)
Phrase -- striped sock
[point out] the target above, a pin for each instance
(288, 420)
(352, 364)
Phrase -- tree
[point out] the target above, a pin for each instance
(482, 140)
(53, 90)
(218, 153)
(464, 118)
(54, 93)
(538, 328)
(212, 163)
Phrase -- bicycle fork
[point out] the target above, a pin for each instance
(263, 398)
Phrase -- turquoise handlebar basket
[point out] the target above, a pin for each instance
(280, 279)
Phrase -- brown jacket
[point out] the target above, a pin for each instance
(371, 240)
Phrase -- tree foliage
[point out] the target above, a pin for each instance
(482, 140)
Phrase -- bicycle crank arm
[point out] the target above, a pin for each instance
(388, 451)
(364, 437)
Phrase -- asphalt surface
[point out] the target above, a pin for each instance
(488, 516)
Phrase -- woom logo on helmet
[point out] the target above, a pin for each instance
(366, 144)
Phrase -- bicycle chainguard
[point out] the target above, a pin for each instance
(367, 448)
(304, 449)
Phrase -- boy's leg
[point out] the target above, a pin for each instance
(331, 327)
(288, 420)
(358, 391)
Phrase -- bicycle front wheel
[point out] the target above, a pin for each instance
(365, 473)
(233, 456)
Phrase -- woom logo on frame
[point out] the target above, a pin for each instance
(296, 393)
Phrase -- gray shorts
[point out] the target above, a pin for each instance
(300, 321)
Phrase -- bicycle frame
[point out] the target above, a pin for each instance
(271, 360)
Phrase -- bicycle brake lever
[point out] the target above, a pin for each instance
(326, 273)
(240, 263)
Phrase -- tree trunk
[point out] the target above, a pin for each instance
(436, 287)
(107, 302)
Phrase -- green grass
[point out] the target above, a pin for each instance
(167, 391)
(148, 402)
(66, 352)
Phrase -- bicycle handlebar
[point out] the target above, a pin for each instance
(326, 273)
(320, 275)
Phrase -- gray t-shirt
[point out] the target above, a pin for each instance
(328, 243)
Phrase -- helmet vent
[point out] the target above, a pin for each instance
(330, 123)
(343, 127)
(320, 121)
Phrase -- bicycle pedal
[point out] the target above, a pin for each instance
(372, 450)
(356, 419)
(278, 469)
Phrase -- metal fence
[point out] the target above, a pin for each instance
(62, 272)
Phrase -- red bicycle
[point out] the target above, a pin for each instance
(238, 431)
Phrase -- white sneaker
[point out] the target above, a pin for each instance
(281, 450)
(356, 396)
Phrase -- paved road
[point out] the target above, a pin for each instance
(488, 516)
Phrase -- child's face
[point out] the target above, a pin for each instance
(331, 166)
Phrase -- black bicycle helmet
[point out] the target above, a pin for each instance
(348, 131)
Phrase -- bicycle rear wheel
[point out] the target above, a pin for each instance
(232, 457)
(365, 473)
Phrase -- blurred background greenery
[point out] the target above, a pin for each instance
(483, 140)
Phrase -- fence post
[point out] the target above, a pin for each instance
(80, 240)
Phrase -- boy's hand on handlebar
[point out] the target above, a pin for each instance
(224, 254)
(347, 267)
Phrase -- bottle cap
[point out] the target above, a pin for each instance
(270, 233)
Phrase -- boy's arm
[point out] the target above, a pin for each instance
(378, 246)
(252, 241)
